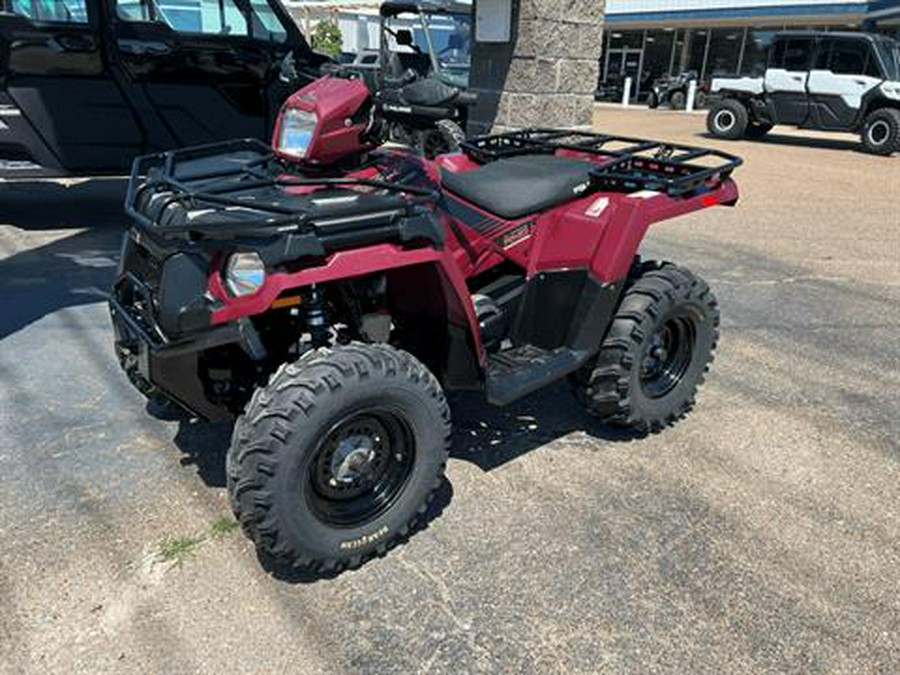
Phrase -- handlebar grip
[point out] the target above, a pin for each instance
(467, 98)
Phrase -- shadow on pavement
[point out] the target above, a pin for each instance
(72, 268)
(800, 142)
(483, 435)
(490, 437)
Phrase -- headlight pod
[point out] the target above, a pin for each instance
(245, 274)
(296, 132)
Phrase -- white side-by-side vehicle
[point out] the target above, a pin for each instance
(825, 81)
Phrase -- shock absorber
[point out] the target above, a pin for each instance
(316, 319)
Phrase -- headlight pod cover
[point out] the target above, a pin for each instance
(295, 135)
(245, 274)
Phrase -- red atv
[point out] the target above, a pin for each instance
(326, 294)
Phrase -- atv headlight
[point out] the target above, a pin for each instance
(245, 274)
(297, 128)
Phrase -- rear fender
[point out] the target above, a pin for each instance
(626, 218)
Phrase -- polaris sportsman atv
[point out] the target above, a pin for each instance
(326, 293)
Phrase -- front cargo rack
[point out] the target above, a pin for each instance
(623, 163)
(234, 189)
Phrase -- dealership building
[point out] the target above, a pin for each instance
(646, 39)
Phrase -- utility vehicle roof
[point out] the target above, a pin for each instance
(393, 8)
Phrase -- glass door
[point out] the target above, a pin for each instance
(624, 63)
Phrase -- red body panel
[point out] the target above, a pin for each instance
(600, 232)
(348, 265)
(336, 103)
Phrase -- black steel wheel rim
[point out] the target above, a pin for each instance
(360, 467)
(668, 354)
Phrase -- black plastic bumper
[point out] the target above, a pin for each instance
(157, 365)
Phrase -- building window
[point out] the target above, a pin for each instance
(694, 52)
(626, 39)
(658, 53)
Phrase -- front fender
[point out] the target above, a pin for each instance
(424, 284)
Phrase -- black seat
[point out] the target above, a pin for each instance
(428, 92)
(518, 186)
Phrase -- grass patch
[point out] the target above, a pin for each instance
(222, 527)
(180, 549)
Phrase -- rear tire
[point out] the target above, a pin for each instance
(728, 119)
(881, 132)
(656, 353)
(653, 101)
(678, 100)
(337, 459)
(701, 100)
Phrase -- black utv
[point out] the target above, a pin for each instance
(85, 85)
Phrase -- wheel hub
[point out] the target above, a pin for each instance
(352, 459)
(668, 355)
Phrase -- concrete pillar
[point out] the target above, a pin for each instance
(546, 75)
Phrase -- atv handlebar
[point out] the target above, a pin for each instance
(467, 99)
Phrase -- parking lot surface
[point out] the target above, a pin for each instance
(760, 534)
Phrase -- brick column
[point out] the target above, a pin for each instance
(547, 74)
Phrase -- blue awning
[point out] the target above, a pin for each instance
(856, 9)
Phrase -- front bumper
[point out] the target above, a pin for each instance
(157, 365)
(161, 318)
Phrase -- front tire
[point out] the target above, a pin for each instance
(881, 132)
(758, 129)
(653, 100)
(656, 353)
(678, 100)
(443, 138)
(728, 119)
(337, 459)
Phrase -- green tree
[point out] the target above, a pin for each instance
(326, 38)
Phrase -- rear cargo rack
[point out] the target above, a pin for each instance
(227, 189)
(623, 164)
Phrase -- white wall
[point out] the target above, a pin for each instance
(358, 31)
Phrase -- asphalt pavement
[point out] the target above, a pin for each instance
(761, 534)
